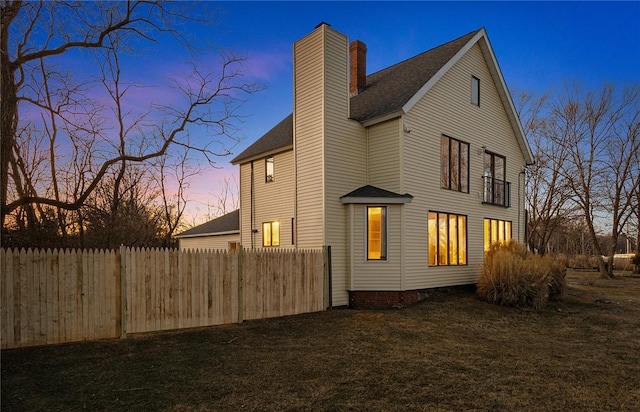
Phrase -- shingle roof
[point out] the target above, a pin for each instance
(372, 192)
(386, 91)
(281, 135)
(222, 225)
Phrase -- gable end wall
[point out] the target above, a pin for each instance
(446, 109)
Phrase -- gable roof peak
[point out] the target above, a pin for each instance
(388, 91)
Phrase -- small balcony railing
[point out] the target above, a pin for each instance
(496, 192)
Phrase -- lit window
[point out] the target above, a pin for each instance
(496, 231)
(454, 164)
(268, 167)
(447, 239)
(377, 233)
(475, 90)
(271, 234)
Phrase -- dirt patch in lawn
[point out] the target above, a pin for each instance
(451, 352)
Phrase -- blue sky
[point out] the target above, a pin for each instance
(539, 47)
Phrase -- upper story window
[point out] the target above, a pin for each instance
(268, 169)
(376, 233)
(475, 90)
(454, 164)
(271, 234)
(496, 189)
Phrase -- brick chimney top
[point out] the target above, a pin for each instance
(358, 69)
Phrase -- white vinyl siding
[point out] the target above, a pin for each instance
(377, 274)
(245, 204)
(220, 242)
(330, 150)
(445, 109)
(272, 201)
(308, 55)
(344, 156)
(384, 155)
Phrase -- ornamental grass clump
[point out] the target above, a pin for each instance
(511, 276)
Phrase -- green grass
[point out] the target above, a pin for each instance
(451, 352)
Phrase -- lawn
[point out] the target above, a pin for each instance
(450, 352)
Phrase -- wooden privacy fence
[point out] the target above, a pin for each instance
(56, 296)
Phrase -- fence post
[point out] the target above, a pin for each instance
(123, 292)
(239, 261)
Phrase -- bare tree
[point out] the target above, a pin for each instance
(599, 133)
(634, 223)
(224, 201)
(622, 169)
(547, 194)
(82, 148)
(173, 200)
(227, 199)
(123, 210)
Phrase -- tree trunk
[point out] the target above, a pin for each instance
(8, 107)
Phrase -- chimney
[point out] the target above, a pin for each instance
(358, 70)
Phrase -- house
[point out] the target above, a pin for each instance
(407, 173)
(222, 233)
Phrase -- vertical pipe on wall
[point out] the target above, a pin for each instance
(251, 202)
(521, 204)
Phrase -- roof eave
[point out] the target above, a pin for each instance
(262, 155)
(376, 200)
(440, 73)
(230, 232)
(505, 96)
(503, 91)
(383, 118)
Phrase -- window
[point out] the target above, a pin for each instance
(454, 164)
(376, 233)
(496, 231)
(233, 246)
(475, 90)
(268, 167)
(496, 190)
(271, 234)
(447, 239)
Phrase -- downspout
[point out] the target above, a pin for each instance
(521, 202)
(251, 201)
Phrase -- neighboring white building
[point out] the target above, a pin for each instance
(222, 233)
(407, 173)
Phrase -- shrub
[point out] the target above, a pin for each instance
(511, 276)
(557, 281)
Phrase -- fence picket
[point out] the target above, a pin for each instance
(56, 296)
(5, 284)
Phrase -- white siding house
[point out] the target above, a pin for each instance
(221, 233)
(407, 173)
